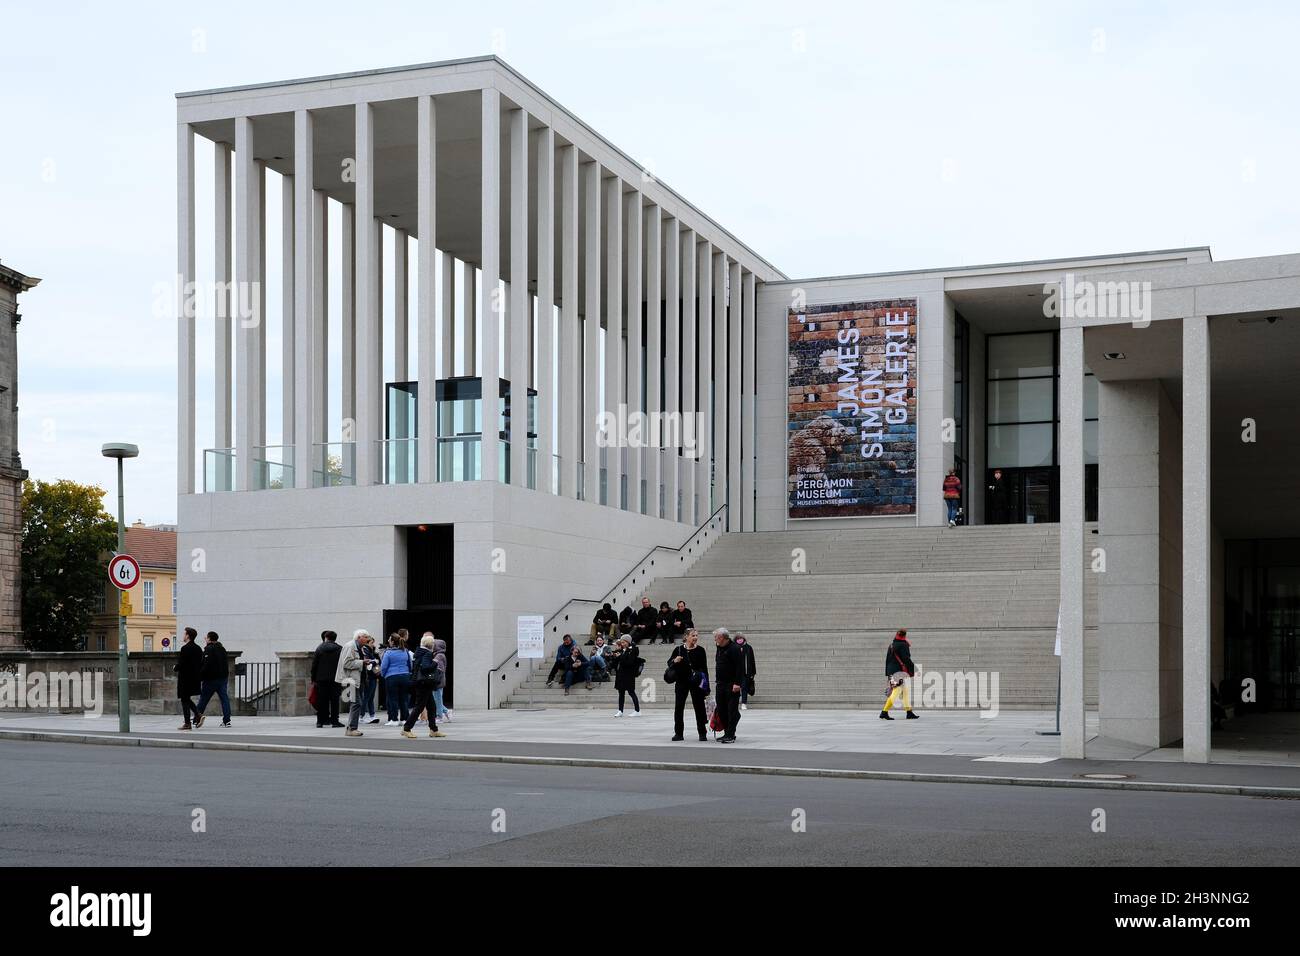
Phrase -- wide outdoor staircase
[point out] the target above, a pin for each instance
(972, 598)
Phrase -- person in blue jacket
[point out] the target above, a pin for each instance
(562, 655)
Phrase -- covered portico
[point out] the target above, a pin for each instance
(1197, 448)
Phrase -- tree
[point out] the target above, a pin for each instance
(66, 532)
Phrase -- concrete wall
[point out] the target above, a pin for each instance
(275, 568)
(1140, 603)
(934, 391)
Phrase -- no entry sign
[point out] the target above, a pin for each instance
(123, 571)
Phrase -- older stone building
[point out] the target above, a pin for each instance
(11, 466)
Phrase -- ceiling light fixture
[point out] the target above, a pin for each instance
(1115, 356)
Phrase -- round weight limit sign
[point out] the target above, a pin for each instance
(124, 572)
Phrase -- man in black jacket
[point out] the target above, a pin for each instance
(898, 671)
(729, 672)
(646, 622)
(324, 664)
(215, 674)
(189, 667)
(682, 620)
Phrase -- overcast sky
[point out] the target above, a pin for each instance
(831, 138)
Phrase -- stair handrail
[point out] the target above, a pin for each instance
(628, 578)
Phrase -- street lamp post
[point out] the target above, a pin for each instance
(121, 450)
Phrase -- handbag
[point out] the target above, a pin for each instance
(311, 696)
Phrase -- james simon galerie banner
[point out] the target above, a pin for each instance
(852, 409)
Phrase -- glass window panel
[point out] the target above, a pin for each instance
(1020, 446)
(1020, 401)
(1017, 356)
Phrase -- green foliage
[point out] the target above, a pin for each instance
(66, 532)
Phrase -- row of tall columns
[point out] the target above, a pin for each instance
(683, 354)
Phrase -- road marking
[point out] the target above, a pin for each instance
(1013, 758)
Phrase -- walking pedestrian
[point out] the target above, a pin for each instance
(324, 667)
(189, 668)
(747, 687)
(352, 661)
(395, 669)
(214, 675)
(952, 496)
(625, 673)
(898, 672)
(690, 665)
(729, 669)
(440, 655)
(426, 677)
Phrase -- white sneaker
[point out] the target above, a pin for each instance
(374, 720)
(635, 713)
(618, 713)
(393, 723)
(744, 707)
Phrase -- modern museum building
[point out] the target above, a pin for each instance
(669, 411)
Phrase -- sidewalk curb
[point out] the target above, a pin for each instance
(45, 736)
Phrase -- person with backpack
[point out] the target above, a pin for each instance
(214, 675)
(426, 677)
(898, 671)
(689, 666)
(952, 496)
(746, 688)
(626, 670)
(395, 669)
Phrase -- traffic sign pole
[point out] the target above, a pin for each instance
(123, 681)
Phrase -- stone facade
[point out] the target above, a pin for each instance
(12, 474)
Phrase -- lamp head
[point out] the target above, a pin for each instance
(119, 449)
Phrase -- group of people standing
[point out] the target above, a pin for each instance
(648, 623)
(414, 675)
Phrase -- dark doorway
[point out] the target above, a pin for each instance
(1032, 495)
(430, 553)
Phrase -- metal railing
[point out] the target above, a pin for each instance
(257, 683)
(694, 546)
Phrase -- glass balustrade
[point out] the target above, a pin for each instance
(400, 458)
(218, 469)
(272, 467)
(334, 464)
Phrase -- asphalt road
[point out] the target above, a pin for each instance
(77, 805)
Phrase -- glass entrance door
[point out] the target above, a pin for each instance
(1036, 495)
